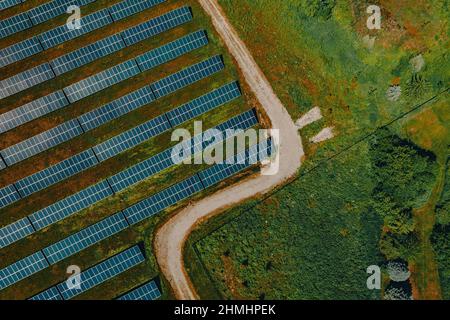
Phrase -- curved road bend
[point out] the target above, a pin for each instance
(171, 237)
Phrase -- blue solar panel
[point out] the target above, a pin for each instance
(25, 80)
(2, 164)
(70, 205)
(48, 295)
(172, 50)
(116, 108)
(85, 238)
(41, 142)
(33, 110)
(9, 3)
(204, 104)
(19, 51)
(22, 269)
(15, 231)
(8, 195)
(102, 80)
(146, 292)
(53, 9)
(87, 54)
(104, 271)
(14, 24)
(131, 138)
(187, 76)
(56, 173)
(157, 25)
(62, 34)
(129, 7)
(163, 200)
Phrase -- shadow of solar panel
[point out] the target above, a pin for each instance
(53, 9)
(157, 25)
(85, 238)
(104, 271)
(25, 80)
(131, 138)
(117, 108)
(187, 76)
(146, 292)
(22, 269)
(41, 142)
(172, 50)
(33, 110)
(8, 195)
(102, 80)
(19, 51)
(163, 200)
(48, 295)
(70, 205)
(15, 232)
(4, 4)
(14, 24)
(87, 54)
(129, 7)
(62, 33)
(204, 104)
(56, 173)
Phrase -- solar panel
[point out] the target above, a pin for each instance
(116, 108)
(104, 271)
(8, 195)
(163, 200)
(204, 104)
(131, 138)
(85, 238)
(9, 3)
(56, 173)
(48, 295)
(85, 55)
(19, 51)
(187, 76)
(33, 110)
(2, 164)
(53, 9)
(146, 292)
(41, 142)
(62, 34)
(25, 80)
(15, 231)
(14, 24)
(70, 205)
(129, 7)
(22, 269)
(172, 50)
(102, 80)
(157, 25)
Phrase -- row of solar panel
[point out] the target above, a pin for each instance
(57, 100)
(4, 4)
(117, 144)
(110, 226)
(91, 22)
(56, 8)
(73, 128)
(100, 191)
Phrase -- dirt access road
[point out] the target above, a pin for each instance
(171, 237)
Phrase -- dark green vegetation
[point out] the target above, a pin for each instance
(142, 232)
(350, 208)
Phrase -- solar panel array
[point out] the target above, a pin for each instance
(22, 269)
(53, 9)
(51, 294)
(2, 164)
(14, 24)
(85, 238)
(41, 142)
(146, 292)
(129, 7)
(104, 271)
(15, 231)
(8, 195)
(19, 51)
(33, 110)
(70, 205)
(9, 3)
(25, 80)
